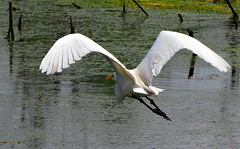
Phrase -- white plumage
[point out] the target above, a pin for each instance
(136, 82)
(73, 47)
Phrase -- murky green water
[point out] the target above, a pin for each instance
(78, 109)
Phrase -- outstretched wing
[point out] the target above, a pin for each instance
(71, 48)
(166, 45)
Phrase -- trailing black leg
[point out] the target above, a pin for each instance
(157, 110)
(160, 112)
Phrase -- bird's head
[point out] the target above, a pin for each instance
(112, 77)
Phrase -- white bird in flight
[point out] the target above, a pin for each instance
(135, 83)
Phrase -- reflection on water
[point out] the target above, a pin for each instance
(77, 108)
(233, 39)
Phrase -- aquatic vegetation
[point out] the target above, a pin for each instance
(193, 5)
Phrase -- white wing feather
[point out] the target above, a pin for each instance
(71, 48)
(166, 45)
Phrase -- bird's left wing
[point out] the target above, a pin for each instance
(71, 48)
(166, 45)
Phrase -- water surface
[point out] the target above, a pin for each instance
(78, 109)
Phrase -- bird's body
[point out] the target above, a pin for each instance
(136, 87)
(136, 82)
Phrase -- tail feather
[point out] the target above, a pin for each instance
(156, 90)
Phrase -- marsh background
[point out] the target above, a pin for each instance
(78, 109)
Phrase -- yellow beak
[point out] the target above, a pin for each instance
(109, 77)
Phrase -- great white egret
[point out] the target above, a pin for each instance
(135, 83)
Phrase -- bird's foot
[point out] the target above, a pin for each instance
(161, 113)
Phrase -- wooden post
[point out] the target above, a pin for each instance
(71, 25)
(193, 60)
(20, 23)
(141, 8)
(124, 10)
(10, 29)
(180, 17)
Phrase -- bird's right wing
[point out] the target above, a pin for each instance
(166, 45)
(73, 47)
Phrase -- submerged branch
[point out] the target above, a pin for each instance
(141, 8)
(235, 15)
